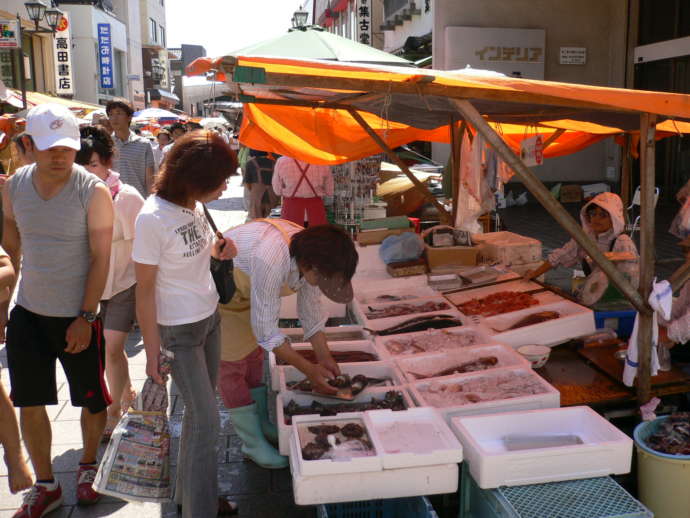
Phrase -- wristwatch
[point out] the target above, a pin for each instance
(89, 316)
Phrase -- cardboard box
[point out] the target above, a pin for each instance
(451, 256)
(571, 194)
(507, 248)
(374, 237)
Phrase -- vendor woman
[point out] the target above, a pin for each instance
(677, 330)
(277, 258)
(603, 219)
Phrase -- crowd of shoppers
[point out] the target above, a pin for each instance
(100, 242)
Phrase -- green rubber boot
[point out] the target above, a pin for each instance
(260, 397)
(255, 447)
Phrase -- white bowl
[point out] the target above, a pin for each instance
(537, 355)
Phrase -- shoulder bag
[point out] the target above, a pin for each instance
(221, 270)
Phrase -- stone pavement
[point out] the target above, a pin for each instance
(259, 492)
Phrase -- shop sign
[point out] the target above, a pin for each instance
(9, 34)
(573, 56)
(532, 151)
(364, 21)
(62, 46)
(105, 56)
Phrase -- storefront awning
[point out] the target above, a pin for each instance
(80, 108)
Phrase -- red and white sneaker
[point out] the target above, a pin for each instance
(85, 477)
(39, 501)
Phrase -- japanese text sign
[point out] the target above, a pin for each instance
(363, 12)
(532, 151)
(62, 46)
(105, 56)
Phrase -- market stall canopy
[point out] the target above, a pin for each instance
(79, 108)
(297, 105)
(155, 113)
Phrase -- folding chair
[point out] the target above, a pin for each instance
(635, 225)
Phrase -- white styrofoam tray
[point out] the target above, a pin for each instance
(380, 341)
(430, 363)
(381, 369)
(330, 466)
(416, 437)
(374, 485)
(605, 449)
(575, 321)
(543, 298)
(550, 398)
(368, 296)
(384, 323)
(482, 291)
(283, 398)
(354, 345)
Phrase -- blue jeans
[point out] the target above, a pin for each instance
(195, 372)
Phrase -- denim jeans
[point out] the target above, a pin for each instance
(195, 372)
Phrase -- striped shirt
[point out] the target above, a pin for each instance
(286, 176)
(133, 158)
(263, 255)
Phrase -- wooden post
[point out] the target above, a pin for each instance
(647, 182)
(626, 170)
(472, 116)
(456, 138)
(443, 213)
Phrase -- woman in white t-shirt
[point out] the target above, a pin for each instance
(177, 304)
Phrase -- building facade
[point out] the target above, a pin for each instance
(130, 13)
(154, 52)
(179, 59)
(358, 20)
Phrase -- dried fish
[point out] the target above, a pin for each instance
(419, 324)
(432, 340)
(313, 451)
(344, 382)
(397, 310)
(352, 430)
(672, 435)
(393, 400)
(483, 363)
(535, 318)
(324, 429)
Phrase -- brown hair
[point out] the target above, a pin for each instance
(197, 164)
(325, 248)
(124, 106)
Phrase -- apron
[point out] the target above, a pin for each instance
(612, 294)
(294, 208)
(237, 336)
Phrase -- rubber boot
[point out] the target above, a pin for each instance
(260, 397)
(255, 447)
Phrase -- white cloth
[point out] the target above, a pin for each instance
(178, 241)
(287, 174)
(661, 300)
(263, 255)
(127, 204)
(678, 326)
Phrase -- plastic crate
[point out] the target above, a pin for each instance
(620, 321)
(414, 507)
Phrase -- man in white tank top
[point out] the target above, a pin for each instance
(58, 220)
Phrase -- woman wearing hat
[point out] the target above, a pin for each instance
(603, 219)
(277, 258)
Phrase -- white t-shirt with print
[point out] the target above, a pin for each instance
(178, 241)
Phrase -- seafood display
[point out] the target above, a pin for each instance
(535, 318)
(393, 298)
(397, 310)
(498, 303)
(350, 385)
(338, 356)
(392, 400)
(480, 364)
(337, 442)
(673, 435)
(432, 340)
(419, 324)
(481, 389)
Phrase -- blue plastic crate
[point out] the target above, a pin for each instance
(620, 321)
(412, 507)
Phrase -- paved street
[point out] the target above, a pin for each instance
(260, 492)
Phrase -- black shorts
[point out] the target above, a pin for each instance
(34, 342)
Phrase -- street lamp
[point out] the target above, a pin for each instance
(53, 17)
(300, 18)
(36, 11)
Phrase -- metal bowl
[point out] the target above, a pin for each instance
(620, 354)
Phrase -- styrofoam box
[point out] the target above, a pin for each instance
(413, 292)
(383, 323)
(330, 466)
(288, 307)
(382, 281)
(543, 298)
(354, 345)
(575, 321)
(551, 398)
(382, 369)
(605, 449)
(333, 334)
(283, 398)
(421, 437)
(380, 341)
(430, 363)
(507, 248)
(374, 485)
(476, 293)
